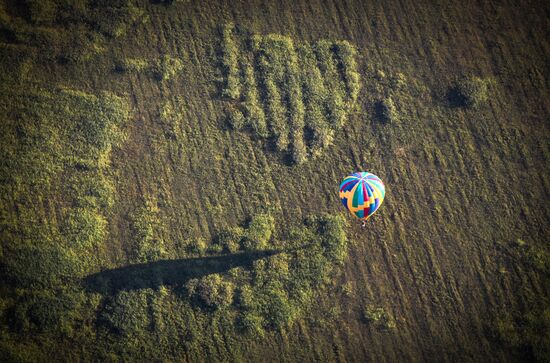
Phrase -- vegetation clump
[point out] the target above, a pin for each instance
(132, 65)
(127, 313)
(378, 317)
(167, 67)
(115, 21)
(287, 100)
(212, 290)
(56, 146)
(385, 111)
(230, 54)
(469, 92)
(259, 232)
(147, 231)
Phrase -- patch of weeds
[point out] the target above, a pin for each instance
(274, 294)
(230, 240)
(56, 146)
(171, 116)
(378, 317)
(236, 119)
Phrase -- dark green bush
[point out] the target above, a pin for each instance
(85, 228)
(128, 313)
(385, 111)
(276, 115)
(231, 239)
(469, 92)
(212, 290)
(347, 54)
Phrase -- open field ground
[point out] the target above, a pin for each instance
(169, 177)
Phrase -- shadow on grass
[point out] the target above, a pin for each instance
(168, 272)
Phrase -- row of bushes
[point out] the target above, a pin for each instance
(230, 54)
(271, 53)
(315, 95)
(289, 101)
(163, 69)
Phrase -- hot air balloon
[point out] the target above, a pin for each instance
(362, 193)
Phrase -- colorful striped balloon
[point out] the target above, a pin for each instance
(362, 193)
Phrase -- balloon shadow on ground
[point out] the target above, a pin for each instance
(168, 272)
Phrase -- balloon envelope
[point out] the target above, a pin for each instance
(362, 193)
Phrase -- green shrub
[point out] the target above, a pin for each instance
(258, 232)
(167, 67)
(299, 152)
(276, 115)
(212, 290)
(115, 21)
(85, 228)
(236, 119)
(39, 266)
(197, 246)
(128, 313)
(378, 317)
(231, 239)
(252, 324)
(347, 54)
(469, 92)
(278, 309)
(385, 111)
(52, 311)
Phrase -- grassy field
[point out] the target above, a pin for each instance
(169, 177)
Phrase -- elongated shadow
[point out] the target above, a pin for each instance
(168, 272)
